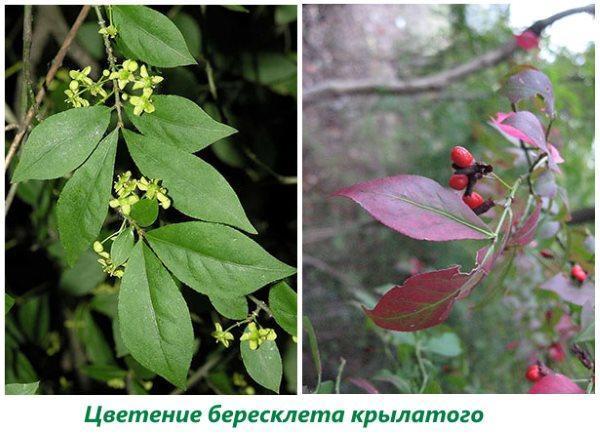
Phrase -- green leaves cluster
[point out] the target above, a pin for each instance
(211, 255)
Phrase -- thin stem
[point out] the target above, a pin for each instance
(497, 177)
(261, 305)
(26, 85)
(54, 66)
(10, 197)
(421, 367)
(112, 62)
(202, 372)
(338, 378)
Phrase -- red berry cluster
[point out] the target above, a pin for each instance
(466, 174)
(578, 273)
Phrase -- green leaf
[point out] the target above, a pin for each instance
(234, 308)
(236, 8)
(447, 344)
(179, 122)
(61, 143)
(215, 260)
(290, 367)
(145, 212)
(285, 14)
(282, 302)
(103, 372)
(399, 383)
(190, 31)
(154, 319)
(263, 364)
(83, 276)
(83, 203)
(90, 334)
(587, 334)
(314, 349)
(151, 36)
(91, 40)
(326, 388)
(120, 347)
(34, 319)
(22, 388)
(105, 303)
(9, 301)
(122, 245)
(196, 188)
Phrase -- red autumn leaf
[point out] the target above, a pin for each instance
(525, 126)
(569, 290)
(528, 40)
(423, 301)
(555, 383)
(525, 234)
(418, 207)
(527, 83)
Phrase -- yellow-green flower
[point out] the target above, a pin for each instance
(109, 31)
(124, 203)
(81, 76)
(256, 336)
(146, 81)
(142, 103)
(153, 190)
(125, 185)
(125, 75)
(75, 100)
(97, 89)
(221, 336)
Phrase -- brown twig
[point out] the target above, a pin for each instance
(56, 63)
(434, 81)
(112, 61)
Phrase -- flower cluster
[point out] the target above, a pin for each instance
(254, 335)
(108, 266)
(81, 83)
(139, 80)
(129, 73)
(127, 189)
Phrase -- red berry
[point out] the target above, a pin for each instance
(533, 373)
(461, 157)
(473, 201)
(458, 181)
(578, 273)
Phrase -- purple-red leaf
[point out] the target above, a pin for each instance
(569, 290)
(525, 234)
(364, 384)
(525, 126)
(527, 83)
(424, 300)
(418, 207)
(555, 383)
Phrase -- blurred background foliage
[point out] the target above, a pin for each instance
(349, 259)
(57, 332)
